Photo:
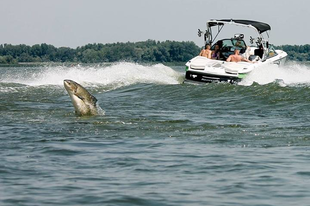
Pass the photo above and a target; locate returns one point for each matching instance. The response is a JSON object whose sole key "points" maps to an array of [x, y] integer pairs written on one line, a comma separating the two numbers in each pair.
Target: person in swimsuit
{"points": [[216, 52], [236, 57], [206, 52]]}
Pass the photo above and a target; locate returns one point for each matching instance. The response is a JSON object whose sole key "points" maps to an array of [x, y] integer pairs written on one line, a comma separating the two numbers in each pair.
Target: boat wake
{"points": [[115, 75], [291, 74]]}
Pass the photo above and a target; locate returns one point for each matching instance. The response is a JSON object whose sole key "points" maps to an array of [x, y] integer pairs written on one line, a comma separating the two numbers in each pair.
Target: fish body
{"points": [[83, 102]]}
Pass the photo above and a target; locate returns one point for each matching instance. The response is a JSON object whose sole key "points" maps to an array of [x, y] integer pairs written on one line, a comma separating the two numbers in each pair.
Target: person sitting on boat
{"points": [[206, 52], [236, 57], [216, 53]]}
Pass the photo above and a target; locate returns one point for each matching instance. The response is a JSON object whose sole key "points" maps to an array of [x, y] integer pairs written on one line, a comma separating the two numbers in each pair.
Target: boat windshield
{"points": [[238, 43], [227, 43], [231, 43], [271, 52]]}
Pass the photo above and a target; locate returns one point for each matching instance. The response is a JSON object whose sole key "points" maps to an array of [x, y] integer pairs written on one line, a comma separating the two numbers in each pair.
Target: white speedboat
{"points": [[257, 49]]}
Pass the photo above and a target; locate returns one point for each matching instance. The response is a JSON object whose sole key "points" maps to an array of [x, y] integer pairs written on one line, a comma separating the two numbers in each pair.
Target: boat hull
{"points": [[208, 78], [201, 69]]}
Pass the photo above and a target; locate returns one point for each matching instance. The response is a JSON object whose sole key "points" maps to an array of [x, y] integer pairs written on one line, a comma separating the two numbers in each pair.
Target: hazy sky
{"points": [[78, 22]]}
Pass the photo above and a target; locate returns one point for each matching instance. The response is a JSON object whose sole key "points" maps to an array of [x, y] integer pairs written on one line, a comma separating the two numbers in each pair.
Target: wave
{"points": [[124, 74], [119, 74], [290, 74]]}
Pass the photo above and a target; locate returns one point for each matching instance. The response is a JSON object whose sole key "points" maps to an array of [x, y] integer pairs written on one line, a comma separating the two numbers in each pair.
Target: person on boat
{"points": [[236, 57], [238, 44], [206, 52], [216, 53]]}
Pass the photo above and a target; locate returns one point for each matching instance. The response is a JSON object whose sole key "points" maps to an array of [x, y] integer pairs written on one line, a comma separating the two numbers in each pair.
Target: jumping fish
{"points": [[83, 102]]}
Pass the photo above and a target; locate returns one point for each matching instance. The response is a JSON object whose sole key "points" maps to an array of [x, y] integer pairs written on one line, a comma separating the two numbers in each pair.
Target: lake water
{"points": [[160, 142]]}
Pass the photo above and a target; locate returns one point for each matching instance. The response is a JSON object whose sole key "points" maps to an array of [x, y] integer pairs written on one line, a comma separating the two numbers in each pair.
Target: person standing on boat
{"points": [[206, 52], [236, 57]]}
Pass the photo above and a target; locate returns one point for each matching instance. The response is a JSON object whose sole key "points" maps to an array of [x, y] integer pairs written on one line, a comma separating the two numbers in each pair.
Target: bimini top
{"points": [[260, 26]]}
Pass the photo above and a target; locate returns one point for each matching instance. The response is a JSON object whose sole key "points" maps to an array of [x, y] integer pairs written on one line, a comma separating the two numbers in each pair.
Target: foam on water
{"points": [[119, 74], [125, 74], [290, 74]]}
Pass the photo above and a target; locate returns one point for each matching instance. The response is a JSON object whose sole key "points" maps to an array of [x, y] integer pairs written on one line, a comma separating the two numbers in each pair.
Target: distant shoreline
{"points": [[150, 51], [72, 64], [145, 51]]}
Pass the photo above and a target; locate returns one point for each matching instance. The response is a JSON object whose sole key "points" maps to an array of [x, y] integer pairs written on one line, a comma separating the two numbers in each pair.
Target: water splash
{"points": [[119, 74], [100, 111], [291, 74]]}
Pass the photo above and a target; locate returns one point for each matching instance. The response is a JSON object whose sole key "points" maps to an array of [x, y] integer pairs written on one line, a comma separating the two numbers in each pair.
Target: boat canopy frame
{"points": [[259, 27]]}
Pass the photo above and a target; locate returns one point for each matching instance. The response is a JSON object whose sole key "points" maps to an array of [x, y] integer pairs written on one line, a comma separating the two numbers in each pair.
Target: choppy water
{"points": [[160, 142]]}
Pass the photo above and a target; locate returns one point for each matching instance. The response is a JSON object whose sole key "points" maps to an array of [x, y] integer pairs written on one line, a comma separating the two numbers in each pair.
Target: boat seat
{"points": [[225, 55], [242, 50], [254, 58]]}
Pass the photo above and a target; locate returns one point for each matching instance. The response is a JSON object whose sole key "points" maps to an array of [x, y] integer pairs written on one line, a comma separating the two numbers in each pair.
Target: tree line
{"points": [[145, 51], [296, 52]]}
